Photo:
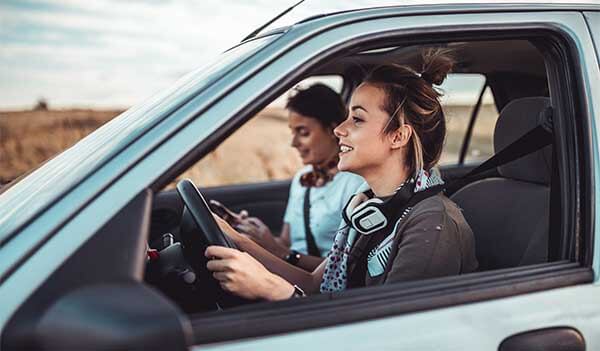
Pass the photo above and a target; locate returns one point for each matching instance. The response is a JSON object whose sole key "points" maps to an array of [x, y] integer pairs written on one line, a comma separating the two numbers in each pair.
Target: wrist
{"points": [[278, 289]]}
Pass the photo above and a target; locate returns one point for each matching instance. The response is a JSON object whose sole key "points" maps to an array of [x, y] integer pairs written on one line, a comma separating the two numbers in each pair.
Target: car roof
{"points": [[310, 9], [483, 57]]}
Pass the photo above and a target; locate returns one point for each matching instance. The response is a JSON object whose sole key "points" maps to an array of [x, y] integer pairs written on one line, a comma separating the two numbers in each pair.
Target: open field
{"points": [[259, 151]]}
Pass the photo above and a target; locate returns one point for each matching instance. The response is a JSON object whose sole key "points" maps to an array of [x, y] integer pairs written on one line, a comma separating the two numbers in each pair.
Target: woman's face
{"points": [[315, 143], [363, 146]]}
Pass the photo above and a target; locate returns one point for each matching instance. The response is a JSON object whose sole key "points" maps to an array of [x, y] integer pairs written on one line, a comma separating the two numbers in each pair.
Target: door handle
{"points": [[549, 339]]}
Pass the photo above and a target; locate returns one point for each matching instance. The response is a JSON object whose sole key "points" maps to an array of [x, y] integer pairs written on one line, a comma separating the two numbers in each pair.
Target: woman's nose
{"points": [[340, 130], [295, 141]]}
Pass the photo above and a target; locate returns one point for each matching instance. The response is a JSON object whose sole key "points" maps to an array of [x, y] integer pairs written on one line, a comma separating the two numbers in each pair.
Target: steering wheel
{"points": [[209, 234], [200, 212]]}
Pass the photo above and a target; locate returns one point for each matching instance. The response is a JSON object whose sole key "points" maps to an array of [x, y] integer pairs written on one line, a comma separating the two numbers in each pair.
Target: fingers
{"points": [[221, 276], [245, 229], [220, 252], [219, 266], [243, 214], [224, 280], [255, 222]]}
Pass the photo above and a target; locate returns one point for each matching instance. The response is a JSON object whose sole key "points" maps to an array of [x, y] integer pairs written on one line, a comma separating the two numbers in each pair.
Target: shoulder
{"points": [[437, 210], [299, 173]]}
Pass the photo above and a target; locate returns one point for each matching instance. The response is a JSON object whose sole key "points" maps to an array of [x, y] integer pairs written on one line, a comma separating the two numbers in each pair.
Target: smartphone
{"points": [[228, 215]]}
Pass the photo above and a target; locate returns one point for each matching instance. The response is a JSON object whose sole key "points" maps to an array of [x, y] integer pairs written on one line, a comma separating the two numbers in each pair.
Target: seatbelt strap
{"points": [[311, 245], [535, 139]]}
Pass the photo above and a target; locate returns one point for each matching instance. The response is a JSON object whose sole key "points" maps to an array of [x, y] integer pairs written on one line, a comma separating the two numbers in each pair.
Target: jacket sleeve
{"points": [[428, 248]]}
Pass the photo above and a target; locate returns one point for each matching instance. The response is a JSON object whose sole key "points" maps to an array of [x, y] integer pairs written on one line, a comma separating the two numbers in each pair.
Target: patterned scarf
{"points": [[335, 275], [320, 174]]}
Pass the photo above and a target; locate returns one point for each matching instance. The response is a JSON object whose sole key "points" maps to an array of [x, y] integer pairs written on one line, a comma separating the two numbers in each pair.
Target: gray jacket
{"points": [[434, 240]]}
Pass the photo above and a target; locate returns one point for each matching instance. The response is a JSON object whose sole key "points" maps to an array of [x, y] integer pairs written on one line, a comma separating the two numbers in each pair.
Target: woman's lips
{"points": [[345, 148]]}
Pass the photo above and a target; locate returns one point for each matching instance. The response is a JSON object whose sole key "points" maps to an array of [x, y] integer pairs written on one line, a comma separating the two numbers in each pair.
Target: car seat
{"points": [[509, 215]]}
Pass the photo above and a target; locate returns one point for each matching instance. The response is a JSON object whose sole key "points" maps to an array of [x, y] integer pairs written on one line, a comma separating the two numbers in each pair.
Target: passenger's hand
{"points": [[242, 275], [261, 234]]}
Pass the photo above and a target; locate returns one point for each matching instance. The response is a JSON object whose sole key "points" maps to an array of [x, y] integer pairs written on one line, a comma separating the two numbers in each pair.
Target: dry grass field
{"points": [[259, 151]]}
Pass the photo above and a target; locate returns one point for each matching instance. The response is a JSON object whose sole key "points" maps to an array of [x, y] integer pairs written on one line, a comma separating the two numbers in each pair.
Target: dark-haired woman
{"points": [[392, 137], [313, 114]]}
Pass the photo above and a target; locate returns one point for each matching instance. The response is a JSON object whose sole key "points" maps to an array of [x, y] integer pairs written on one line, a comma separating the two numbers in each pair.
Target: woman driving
{"points": [[400, 227]]}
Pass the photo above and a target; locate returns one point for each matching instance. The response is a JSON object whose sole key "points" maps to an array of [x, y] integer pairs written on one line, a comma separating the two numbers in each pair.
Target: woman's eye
{"points": [[356, 119]]}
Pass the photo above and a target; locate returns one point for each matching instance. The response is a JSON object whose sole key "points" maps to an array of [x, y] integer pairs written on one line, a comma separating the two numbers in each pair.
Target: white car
{"points": [[74, 271]]}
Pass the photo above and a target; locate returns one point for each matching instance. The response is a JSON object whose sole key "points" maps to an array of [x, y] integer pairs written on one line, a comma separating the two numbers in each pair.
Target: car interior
{"points": [[521, 213], [510, 231]]}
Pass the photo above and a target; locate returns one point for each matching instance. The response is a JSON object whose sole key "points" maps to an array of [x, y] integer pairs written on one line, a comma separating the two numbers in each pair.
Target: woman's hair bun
{"points": [[437, 63]]}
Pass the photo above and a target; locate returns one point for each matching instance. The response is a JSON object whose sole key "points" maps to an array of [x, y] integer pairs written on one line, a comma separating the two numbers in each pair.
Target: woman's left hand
{"points": [[242, 275]]}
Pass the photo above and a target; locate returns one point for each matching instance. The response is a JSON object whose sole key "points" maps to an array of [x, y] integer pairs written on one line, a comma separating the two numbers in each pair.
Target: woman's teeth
{"points": [[345, 148]]}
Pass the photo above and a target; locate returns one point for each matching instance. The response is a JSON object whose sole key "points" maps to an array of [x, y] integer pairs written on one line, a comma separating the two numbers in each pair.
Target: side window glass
{"points": [[461, 92], [260, 150], [481, 145]]}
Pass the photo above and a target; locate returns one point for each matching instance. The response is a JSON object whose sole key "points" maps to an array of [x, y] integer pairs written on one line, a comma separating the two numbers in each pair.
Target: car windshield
{"points": [[314, 8], [38, 187]]}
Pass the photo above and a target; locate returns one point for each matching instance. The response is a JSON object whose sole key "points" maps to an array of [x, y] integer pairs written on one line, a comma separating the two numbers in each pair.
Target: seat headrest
{"points": [[517, 118]]}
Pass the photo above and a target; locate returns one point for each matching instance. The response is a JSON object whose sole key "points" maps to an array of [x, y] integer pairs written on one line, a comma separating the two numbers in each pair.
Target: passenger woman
{"points": [[392, 137]]}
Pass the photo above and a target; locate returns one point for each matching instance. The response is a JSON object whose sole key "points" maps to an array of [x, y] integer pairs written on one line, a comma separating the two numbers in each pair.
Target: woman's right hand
{"points": [[242, 275]]}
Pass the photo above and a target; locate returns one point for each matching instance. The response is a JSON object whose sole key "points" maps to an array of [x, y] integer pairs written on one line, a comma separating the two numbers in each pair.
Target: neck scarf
{"points": [[335, 275], [320, 174]]}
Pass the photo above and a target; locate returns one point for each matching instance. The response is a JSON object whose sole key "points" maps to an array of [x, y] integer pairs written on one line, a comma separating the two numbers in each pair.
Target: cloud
{"points": [[107, 53]]}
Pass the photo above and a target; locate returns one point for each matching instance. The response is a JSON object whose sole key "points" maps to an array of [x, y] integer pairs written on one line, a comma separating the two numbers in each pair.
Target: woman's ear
{"points": [[401, 136]]}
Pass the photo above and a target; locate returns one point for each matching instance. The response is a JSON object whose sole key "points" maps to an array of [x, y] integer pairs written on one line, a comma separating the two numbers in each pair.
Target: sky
{"points": [[112, 53]]}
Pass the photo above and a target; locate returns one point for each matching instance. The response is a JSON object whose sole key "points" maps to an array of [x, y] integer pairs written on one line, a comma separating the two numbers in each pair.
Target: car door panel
{"points": [[475, 326]]}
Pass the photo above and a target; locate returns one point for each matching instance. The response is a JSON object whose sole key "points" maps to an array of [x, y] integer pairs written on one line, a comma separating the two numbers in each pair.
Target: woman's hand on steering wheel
{"points": [[242, 275]]}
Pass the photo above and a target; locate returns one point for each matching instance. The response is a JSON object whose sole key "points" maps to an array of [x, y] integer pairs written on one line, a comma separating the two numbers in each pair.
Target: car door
{"points": [[550, 306]]}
